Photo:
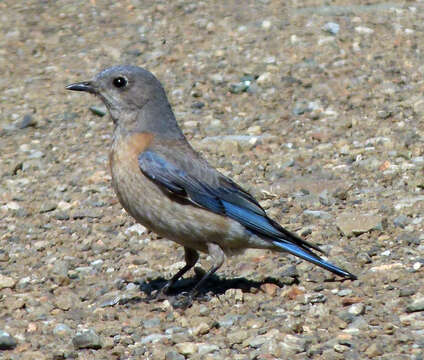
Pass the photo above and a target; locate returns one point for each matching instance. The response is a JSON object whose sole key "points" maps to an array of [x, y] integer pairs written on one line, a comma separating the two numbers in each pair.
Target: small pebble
{"points": [[62, 330], [237, 337], [186, 348], [416, 305], [207, 349], [264, 79], [151, 323], [197, 105], [269, 288], [344, 292], [47, 207], [86, 339], [294, 344], [356, 309], [266, 24], [332, 28], [401, 221], [6, 282], [364, 258], [417, 266], [27, 121], [153, 338], [340, 348], [319, 214], [62, 216], [201, 329], [364, 30], [7, 341], [406, 291], [357, 223], [373, 351], [173, 355], [228, 320], [217, 79]]}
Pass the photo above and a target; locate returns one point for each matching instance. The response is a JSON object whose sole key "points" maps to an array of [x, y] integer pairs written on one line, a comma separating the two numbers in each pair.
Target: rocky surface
{"points": [[315, 109]]}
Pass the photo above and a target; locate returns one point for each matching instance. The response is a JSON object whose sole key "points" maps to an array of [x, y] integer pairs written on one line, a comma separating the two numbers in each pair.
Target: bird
{"points": [[168, 187]]}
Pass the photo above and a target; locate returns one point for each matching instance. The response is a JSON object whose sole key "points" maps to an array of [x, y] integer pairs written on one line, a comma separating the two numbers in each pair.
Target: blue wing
{"points": [[207, 188]]}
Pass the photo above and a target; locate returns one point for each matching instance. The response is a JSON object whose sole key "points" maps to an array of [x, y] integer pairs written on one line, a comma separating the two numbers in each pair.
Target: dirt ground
{"points": [[314, 107]]}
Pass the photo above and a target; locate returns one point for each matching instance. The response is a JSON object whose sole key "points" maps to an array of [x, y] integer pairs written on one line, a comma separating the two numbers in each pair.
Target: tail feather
{"points": [[311, 257], [294, 237], [266, 228]]}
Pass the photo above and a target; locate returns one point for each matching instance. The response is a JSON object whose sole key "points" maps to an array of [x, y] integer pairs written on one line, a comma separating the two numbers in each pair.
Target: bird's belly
{"points": [[185, 224]]}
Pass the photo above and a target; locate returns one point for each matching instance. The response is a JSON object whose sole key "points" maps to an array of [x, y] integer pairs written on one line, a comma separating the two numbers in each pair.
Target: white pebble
{"points": [[266, 24], [364, 30], [137, 228], [416, 266]]}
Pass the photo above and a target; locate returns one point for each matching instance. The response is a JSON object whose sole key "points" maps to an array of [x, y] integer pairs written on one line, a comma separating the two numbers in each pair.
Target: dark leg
{"points": [[218, 257], [191, 257]]}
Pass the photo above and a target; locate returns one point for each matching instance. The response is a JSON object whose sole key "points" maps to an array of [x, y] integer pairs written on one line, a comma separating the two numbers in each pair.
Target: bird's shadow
{"points": [[214, 285]]}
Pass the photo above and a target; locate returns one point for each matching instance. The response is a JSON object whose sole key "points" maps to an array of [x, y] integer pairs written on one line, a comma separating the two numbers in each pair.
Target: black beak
{"points": [[86, 86]]}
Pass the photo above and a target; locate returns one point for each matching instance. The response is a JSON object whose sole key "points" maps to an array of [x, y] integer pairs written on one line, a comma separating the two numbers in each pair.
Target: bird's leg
{"points": [[191, 257], [218, 257]]}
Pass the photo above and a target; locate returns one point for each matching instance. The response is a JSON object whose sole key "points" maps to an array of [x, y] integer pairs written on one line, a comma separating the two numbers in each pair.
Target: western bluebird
{"points": [[169, 188]]}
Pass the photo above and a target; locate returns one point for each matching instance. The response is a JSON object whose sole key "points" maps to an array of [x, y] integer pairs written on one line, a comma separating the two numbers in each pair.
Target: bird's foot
{"points": [[184, 300], [160, 294]]}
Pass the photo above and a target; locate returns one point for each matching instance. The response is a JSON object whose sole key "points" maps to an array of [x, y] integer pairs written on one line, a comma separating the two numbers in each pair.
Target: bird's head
{"points": [[123, 89]]}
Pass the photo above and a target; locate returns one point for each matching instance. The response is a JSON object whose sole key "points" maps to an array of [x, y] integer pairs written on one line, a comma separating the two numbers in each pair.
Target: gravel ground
{"points": [[315, 109]]}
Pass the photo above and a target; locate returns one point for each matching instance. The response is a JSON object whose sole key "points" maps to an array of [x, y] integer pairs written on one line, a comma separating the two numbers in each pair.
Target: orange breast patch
{"points": [[128, 148]]}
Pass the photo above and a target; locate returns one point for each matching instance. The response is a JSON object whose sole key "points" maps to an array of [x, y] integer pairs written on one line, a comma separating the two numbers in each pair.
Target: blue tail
{"points": [[268, 229], [310, 256]]}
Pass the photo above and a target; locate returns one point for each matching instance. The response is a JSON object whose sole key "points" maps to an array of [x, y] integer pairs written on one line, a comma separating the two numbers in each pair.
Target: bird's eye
{"points": [[120, 82]]}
